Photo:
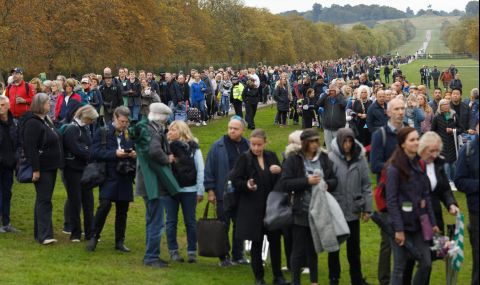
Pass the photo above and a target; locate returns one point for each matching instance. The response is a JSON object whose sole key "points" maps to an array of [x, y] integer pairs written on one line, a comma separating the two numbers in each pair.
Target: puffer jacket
{"points": [[354, 195]]}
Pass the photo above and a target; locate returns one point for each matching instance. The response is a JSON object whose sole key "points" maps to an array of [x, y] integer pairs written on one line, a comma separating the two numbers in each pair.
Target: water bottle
{"points": [[230, 188]]}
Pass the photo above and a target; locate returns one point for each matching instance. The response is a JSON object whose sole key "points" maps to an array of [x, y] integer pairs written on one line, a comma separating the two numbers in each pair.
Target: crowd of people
{"points": [[136, 129]]}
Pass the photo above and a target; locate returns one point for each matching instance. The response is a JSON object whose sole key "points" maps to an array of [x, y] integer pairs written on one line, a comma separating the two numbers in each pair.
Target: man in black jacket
{"points": [[333, 114], [462, 110], [180, 98], [435, 76], [111, 95], [8, 148]]}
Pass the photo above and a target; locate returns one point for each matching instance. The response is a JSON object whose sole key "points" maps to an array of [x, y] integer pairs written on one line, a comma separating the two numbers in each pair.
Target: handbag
{"points": [[95, 172], [24, 172], [212, 236], [279, 211], [193, 114]]}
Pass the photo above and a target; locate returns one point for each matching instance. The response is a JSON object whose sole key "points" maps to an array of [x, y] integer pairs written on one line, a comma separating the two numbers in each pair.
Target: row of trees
{"points": [[462, 36], [73, 36]]}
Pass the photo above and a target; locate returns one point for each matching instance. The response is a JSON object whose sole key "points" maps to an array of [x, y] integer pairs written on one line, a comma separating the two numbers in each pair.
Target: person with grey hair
{"points": [[8, 148], [445, 124], [42, 147], [76, 144], [334, 113], [119, 157]]}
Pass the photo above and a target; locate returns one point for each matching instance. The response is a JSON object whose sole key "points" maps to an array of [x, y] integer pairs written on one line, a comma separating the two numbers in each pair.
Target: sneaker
{"points": [[204, 123], [285, 268], [67, 232], [157, 264], [49, 241], [10, 229], [306, 271], [225, 263], [198, 124], [175, 256], [75, 240], [2, 230], [192, 258], [452, 186], [242, 261]]}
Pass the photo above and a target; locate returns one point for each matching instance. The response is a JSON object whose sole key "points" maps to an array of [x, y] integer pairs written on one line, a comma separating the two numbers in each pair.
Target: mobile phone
{"points": [[127, 150]]}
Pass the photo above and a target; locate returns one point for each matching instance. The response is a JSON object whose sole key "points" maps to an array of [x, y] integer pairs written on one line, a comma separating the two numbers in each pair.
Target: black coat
{"points": [[116, 187], [334, 111], [111, 96], [439, 125], [42, 143], [8, 142], [133, 98], [463, 114], [294, 179], [280, 95], [250, 95], [252, 204], [76, 145]]}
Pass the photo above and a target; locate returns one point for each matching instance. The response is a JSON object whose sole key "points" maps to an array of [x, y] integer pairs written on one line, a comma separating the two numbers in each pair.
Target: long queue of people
{"points": [[403, 129]]}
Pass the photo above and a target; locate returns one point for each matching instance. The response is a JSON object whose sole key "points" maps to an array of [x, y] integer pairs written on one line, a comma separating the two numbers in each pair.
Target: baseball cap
{"points": [[85, 80], [17, 70]]}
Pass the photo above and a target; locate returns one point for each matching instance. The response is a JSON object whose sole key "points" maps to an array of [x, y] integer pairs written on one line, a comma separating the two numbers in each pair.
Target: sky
{"points": [[277, 6]]}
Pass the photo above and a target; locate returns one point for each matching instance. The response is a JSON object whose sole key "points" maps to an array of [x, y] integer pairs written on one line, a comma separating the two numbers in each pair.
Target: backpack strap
{"points": [[103, 133], [384, 136]]}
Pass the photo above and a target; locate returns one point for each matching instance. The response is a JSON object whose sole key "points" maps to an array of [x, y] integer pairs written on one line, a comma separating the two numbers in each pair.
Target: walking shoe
{"points": [[66, 231], [280, 281], [121, 247], [2, 230], [198, 124], [10, 229], [204, 123], [157, 264], [175, 256], [92, 244], [306, 271], [452, 186], [49, 241], [242, 261], [225, 263], [192, 258], [75, 240], [260, 282]]}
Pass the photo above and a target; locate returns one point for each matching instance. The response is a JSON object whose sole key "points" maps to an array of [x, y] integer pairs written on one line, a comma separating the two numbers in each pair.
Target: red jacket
{"points": [[12, 92], [59, 103]]}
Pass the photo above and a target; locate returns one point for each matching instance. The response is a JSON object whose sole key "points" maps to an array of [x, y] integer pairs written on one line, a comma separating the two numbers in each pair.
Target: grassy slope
{"points": [[25, 262]]}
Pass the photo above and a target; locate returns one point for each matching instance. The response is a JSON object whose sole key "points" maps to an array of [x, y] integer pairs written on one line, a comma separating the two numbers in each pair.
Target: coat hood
{"points": [[342, 135]]}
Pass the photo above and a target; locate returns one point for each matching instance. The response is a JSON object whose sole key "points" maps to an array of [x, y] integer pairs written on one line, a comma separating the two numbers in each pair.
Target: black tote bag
{"points": [[279, 211], [212, 236]]}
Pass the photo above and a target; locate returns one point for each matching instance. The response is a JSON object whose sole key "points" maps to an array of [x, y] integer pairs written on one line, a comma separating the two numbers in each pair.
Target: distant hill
{"points": [[365, 14]]}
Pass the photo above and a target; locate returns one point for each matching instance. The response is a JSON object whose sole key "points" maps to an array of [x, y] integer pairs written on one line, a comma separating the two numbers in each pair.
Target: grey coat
{"points": [[353, 192]]}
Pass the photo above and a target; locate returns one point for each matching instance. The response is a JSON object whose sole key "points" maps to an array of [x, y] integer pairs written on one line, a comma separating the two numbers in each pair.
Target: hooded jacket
{"points": [[353, 194]]}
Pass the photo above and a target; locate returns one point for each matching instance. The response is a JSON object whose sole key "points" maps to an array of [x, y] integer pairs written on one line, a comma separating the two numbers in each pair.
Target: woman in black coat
{"points": [[250, 97], [280, 95], [119, 158], [76, 143], [42, 145], [303, 170], [253, 177], [444, 122]]}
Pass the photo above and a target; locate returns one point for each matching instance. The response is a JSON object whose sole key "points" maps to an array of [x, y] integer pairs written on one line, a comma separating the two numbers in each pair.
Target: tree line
{"points": [[462, 36], [73, 36]]}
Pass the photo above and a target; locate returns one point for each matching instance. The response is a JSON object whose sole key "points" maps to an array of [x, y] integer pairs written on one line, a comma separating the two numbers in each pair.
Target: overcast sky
{"points": [[277, 6]]}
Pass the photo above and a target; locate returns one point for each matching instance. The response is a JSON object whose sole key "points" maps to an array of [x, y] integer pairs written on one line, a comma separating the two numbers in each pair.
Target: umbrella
{"points": [[387, 228], [455, 255]]}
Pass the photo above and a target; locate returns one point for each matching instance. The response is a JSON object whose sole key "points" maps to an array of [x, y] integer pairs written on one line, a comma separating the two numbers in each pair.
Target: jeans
{"points": [[43, 225], [179, 112], [188, 201], [78, 198], [473, 231], [329, 135], [225, 104], [302, 249], [134, 112], [353, 255], [384, 257], [401, 256], [6, 182], [282, 118], [200, 105], [450, 170], [154, 226], [237, 244], [103, 209]]}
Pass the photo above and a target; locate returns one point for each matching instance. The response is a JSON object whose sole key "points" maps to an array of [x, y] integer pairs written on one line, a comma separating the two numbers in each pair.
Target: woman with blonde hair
{"points": [[37, 85], [426, 124], [188, 168]]}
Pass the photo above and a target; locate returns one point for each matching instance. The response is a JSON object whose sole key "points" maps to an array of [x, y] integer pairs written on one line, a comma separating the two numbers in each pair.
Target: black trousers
{"points": [[307, 117], [120, 218], [302, 248], [287, 244], [78, 198], [282, 117], [250, 111], [237, 106], [353, 256], [237, 244], [43, 226], [275, 255], [435, 83]]}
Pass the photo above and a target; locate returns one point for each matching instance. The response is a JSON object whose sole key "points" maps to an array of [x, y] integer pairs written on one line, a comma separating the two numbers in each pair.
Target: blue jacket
{"points": [[381, 152], [417, 117], [376, 117], [414, 190], [466, 176], [217, 168], [116, 187], [196, 93]]}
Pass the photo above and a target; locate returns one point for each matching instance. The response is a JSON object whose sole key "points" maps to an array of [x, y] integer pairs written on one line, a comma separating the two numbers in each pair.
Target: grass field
{"points": [[25, 262]]}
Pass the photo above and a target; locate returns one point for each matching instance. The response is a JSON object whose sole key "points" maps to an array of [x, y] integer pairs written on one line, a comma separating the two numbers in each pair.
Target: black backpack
{"points": [[184, 168]]}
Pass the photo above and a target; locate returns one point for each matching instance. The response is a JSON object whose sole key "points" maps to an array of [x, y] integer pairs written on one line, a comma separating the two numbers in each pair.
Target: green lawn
{"points": [[25, 262]]}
